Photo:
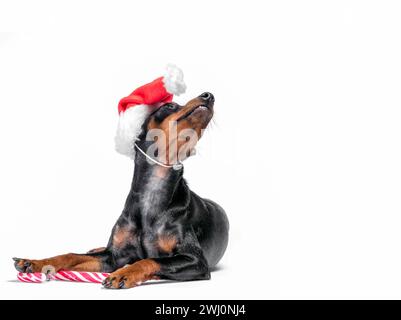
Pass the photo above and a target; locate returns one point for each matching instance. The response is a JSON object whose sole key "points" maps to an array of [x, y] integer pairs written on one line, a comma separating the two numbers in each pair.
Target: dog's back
{"points": [[211, 227]]}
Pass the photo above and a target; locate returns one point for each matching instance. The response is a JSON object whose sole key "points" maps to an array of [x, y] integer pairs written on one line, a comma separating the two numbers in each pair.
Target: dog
{"points": [[165, 231]]}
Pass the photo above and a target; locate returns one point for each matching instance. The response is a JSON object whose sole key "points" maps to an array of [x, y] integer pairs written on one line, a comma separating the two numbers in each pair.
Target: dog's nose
{"points": [[207, 96]]}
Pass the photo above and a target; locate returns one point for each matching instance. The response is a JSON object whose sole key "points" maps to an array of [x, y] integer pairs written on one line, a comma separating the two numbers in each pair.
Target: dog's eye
{"points": [[170, 106]]}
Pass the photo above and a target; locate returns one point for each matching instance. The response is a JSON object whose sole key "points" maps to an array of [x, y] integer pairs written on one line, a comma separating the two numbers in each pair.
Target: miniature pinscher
{"points": [[165, 231]]}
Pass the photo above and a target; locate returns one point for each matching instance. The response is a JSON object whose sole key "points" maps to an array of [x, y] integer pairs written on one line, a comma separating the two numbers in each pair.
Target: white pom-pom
{"points": [[174, 80]]}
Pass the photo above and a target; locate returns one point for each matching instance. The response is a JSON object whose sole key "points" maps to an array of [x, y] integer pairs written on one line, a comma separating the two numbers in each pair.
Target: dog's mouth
{"points": [[201, 108]]}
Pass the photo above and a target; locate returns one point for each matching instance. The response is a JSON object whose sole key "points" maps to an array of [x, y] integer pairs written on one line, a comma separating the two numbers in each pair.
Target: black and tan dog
{"points": [[165, 231]]}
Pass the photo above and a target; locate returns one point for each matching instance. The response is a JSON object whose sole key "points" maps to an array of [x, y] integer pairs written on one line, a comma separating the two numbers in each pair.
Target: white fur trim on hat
{"points": [[129, 127], [174, 80]]}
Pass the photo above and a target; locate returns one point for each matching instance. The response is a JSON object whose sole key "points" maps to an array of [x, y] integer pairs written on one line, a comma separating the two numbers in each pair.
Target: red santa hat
{"points": [[135, 108]]}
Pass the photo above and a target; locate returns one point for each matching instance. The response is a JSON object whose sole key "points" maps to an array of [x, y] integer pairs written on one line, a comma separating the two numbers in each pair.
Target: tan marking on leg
{"points": [[91, 266], [66, 261], [133, 274]]}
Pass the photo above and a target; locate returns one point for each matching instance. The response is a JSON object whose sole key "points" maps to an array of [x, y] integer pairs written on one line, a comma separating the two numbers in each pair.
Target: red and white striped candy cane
{"points": [[36, 277], [64, 275], [79, 276]]}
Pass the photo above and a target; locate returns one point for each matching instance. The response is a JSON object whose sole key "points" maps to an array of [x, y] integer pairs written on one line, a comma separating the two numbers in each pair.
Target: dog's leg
{"points": [[92, 262], [97, 250], [181, 267]]}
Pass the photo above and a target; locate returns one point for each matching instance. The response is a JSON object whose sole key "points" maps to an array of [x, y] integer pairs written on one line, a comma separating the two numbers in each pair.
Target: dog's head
{"points": [[171, 132]]}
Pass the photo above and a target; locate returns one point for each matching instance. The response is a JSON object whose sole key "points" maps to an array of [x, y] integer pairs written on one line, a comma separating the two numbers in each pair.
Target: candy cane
{"points": [[64, 275], [36, 277], [95, 277]]}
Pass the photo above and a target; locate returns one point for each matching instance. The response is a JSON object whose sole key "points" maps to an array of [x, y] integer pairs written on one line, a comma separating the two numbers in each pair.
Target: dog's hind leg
{"points": [[97, 250], [92, 262]]}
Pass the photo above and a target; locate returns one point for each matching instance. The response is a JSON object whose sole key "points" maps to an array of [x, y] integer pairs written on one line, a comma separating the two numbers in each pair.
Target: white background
{"points": [[304, 154]]}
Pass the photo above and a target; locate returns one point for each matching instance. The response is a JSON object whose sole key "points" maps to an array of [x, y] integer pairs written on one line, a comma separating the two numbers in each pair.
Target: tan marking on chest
{"points": [[123, 236], [167, 243]]}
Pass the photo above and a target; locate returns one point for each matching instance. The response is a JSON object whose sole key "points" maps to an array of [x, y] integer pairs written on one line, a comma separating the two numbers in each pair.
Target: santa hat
{"points": [[135, 108]]}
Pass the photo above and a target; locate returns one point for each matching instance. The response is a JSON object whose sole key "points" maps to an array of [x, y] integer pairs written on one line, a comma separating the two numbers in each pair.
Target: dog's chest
{"points": [[153, 196], [154, 236], [158, 242]]}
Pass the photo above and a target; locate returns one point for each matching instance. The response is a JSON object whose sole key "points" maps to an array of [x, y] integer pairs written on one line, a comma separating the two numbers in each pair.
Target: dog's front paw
{"points": [[132, 275], [114, 282], [25, 265], [123, 279]]}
